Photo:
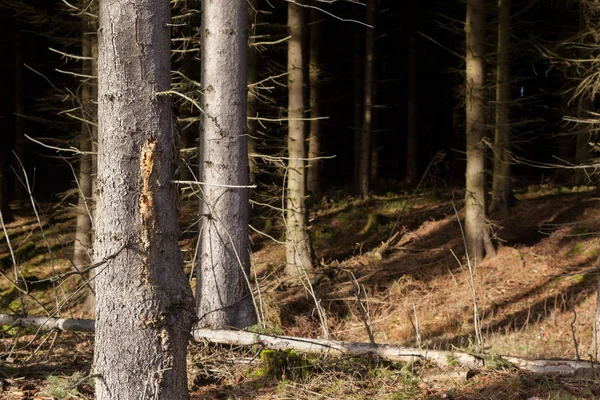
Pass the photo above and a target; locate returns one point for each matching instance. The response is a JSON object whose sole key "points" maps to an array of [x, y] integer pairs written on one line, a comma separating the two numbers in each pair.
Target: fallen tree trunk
{"points": [[332, 347]]}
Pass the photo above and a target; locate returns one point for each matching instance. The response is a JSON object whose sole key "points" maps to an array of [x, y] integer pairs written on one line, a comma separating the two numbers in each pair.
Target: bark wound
{"points": [[146, 207]]}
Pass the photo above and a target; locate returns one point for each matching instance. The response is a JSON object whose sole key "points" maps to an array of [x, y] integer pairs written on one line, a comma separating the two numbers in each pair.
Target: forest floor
{"points": [[536, 299]]}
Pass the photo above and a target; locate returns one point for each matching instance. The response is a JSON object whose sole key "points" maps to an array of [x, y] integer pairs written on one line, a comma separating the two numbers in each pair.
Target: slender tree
{"points": [[298, 245], [357, 83], [365, 142], [501, 186], [82, 249], [477, 236], [314, 139], [222, 292], [19, 111], [412, 166], [145, 307]]}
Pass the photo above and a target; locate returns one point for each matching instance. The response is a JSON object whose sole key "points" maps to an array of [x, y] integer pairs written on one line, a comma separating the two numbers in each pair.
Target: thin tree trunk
{"points": [[20, 191], [358, 51], [501, 186], [252, 99], [145, 307], [314, 139], [82, 249], [365, 142], [298, 245], [585, 105], [222, 294], [412, 167], [477, 236]]}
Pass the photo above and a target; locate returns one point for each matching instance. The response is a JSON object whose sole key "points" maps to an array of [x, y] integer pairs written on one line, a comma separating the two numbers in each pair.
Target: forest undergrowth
{"points": [[536, 299]]}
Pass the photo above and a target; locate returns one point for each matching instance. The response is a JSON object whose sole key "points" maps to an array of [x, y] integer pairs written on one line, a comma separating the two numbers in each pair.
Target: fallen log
{"points": [[333, 347]]}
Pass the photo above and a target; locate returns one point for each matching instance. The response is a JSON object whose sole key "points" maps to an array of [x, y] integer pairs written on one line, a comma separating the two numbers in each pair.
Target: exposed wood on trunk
{"points": [[144, 307], [334, 347]]}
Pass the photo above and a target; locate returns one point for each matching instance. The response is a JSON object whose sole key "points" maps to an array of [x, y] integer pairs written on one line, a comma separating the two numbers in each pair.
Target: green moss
{"points": [[64, 387], [373, 224], [282, 365], [576, 249]]}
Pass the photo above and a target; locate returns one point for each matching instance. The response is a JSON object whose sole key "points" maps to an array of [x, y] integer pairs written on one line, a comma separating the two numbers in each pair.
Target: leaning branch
{"points": [[330, 347]]}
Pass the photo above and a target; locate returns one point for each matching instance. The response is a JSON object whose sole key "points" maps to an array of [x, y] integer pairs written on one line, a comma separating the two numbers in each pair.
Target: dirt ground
{"points": [[536, 299]]}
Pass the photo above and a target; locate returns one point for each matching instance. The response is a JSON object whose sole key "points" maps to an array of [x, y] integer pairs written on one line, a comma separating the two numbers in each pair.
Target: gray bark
{"points": [[477, 236], [365, 141], [501, 185], [222, 293], [298, 245], [144, 308], [314, 139]]}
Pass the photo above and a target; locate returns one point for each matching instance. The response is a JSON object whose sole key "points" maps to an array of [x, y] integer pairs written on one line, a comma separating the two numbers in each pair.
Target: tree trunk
{"points": [[501, 185], [314, 139], [477, 236], [584, 106], [365, 142], [222, 293], [298, 245], [252, 99], [412, 167], [82, 251], [357, 77], [20, 190], [144, 308]]}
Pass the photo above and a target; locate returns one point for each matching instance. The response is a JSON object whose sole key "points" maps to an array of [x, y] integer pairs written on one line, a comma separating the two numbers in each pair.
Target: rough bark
{"points": [[298, 245], [365, 141], [477, 236], [314, 139], [222, 294], [501, 184], [334, 347], [145, 307], [412, 167], [82, 249]]}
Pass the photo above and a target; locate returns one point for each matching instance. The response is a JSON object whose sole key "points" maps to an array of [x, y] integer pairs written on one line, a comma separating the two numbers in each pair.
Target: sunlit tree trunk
{"points": [[412, 167], [82, 251], [501, 185], [222, 292], [477, 236], [144, 307], [298, 245], [583, 152], [365, 142], [314, 139]]}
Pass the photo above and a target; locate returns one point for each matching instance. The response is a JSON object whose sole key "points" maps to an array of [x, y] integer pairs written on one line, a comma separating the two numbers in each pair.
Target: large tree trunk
{"points": [[223, 296], [477, 236], [82, 251], [144, 308], [501, 186], [314, 139], [365, 142], [412, 167], [298, 245]]}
